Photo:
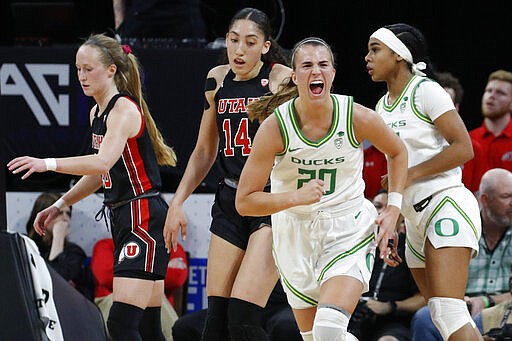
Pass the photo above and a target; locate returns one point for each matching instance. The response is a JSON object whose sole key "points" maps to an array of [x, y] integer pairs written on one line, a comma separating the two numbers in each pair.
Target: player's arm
{"points": [[370, 126], [458, 151], [251, 200], [123, 122]]}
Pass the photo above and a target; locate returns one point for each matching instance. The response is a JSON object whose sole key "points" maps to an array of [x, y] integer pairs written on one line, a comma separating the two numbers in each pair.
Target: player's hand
{"points": [[387, 238], [379, 308], [475, 303], [175, 221], [30, 164], [44, 218], [310, 193]]}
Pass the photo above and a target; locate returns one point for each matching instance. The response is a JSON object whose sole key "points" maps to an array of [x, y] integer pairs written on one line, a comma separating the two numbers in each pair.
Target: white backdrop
{"points": [[85, 231]]}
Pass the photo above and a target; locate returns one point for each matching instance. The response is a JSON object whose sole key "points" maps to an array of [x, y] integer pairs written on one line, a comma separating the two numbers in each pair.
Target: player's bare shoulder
{"points": [[126, 113], [363, 115], [278, 75], [216, 76]]}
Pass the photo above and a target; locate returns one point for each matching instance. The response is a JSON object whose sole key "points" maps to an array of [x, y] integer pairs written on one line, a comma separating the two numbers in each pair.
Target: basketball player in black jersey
{"points": [[241, 272], [127, 151]]}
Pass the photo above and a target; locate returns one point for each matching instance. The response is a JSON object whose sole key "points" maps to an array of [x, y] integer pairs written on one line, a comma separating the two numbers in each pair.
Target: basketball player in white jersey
{"points": [[441, 215], [323, 227]]}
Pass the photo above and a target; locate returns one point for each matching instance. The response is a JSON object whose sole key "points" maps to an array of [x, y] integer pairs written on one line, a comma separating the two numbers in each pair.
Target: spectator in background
{"points": [[102, 265], [495, 317], [495, 133], [489, 272], [473, 169], [384, 313], [178, 19], [374, 167], [67, 258]]}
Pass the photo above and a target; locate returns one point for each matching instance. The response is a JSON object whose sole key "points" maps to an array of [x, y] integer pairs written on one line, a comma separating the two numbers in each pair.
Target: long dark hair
{"points": [[43, 201], [415, 41], [276, 54]]}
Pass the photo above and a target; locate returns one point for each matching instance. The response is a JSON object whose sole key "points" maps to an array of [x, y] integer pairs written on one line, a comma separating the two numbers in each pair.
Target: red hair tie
{"points": [[127, 49]]}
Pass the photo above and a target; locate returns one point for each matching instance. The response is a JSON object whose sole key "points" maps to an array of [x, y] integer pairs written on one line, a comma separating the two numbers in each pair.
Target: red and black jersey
{"points": [[136, 172], [236, 131]]}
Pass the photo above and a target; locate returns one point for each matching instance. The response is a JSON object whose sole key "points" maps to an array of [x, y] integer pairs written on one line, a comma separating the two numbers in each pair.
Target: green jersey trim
{"points": [[415, 109], [284, 132], [330, 133], [392, 107], [448, 200], [350, 127], [353, 250]]}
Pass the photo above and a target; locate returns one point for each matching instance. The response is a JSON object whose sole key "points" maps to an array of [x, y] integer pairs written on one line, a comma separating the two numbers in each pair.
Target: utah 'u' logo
{"points": [[131, 250]]}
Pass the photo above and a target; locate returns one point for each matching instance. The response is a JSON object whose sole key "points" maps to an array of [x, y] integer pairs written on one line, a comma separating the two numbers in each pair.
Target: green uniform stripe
{"points": [[415, 109], [334, 124], [445, 201], [284, 132], [353, 250], [414, 252], [350, 128], [296, 292], [399, 99]]}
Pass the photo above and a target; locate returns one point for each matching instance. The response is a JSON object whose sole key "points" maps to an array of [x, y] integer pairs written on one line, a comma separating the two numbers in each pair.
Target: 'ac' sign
{"points": [[13, 83]]}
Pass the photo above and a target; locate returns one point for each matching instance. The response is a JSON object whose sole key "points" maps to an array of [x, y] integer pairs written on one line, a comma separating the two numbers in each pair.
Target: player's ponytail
{"points": [[128, 80]]}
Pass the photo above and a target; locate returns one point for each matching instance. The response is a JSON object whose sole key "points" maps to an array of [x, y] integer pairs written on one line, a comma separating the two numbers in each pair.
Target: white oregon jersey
{"points": [[412, 121], [336, 158]]}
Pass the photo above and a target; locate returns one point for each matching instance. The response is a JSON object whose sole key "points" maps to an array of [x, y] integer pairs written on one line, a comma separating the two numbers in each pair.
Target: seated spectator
{"points": [[278, 321], [489, 271], [65, 257], [385, 311], [102, 265], [494, 319]]}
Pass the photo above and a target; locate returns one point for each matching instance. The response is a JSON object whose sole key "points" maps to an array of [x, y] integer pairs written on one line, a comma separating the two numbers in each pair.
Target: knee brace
{"points": [[244, 321], [449, 315], [123, 321], [216, 324], [150, 326], [330, 323]]}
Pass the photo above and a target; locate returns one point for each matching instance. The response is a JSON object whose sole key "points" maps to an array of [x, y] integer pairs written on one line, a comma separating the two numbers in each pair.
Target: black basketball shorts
{"points": [[137, 230], [228, 224]]}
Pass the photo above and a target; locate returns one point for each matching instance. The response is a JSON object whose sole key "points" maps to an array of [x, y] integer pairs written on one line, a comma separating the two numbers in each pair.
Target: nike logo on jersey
{"points": [[291, 150]]}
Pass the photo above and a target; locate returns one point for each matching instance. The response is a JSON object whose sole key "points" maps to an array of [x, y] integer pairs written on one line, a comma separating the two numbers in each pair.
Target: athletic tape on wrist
{"points": [[51, 164], [60, 204], [395, 199]]}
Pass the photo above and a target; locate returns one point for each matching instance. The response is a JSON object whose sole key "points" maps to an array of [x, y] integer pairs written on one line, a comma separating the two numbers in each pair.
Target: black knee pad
{"points": [[244, 321], [150, 326], [216, 324], [123, 322]]}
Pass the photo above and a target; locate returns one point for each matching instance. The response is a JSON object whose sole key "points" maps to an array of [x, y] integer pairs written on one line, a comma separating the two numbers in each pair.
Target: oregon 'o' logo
{"points": [[446, 227], [131, 250]]}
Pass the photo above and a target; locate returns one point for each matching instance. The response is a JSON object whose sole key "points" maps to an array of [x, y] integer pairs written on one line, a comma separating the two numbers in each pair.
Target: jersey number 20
{"points": [[327, 175]]}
